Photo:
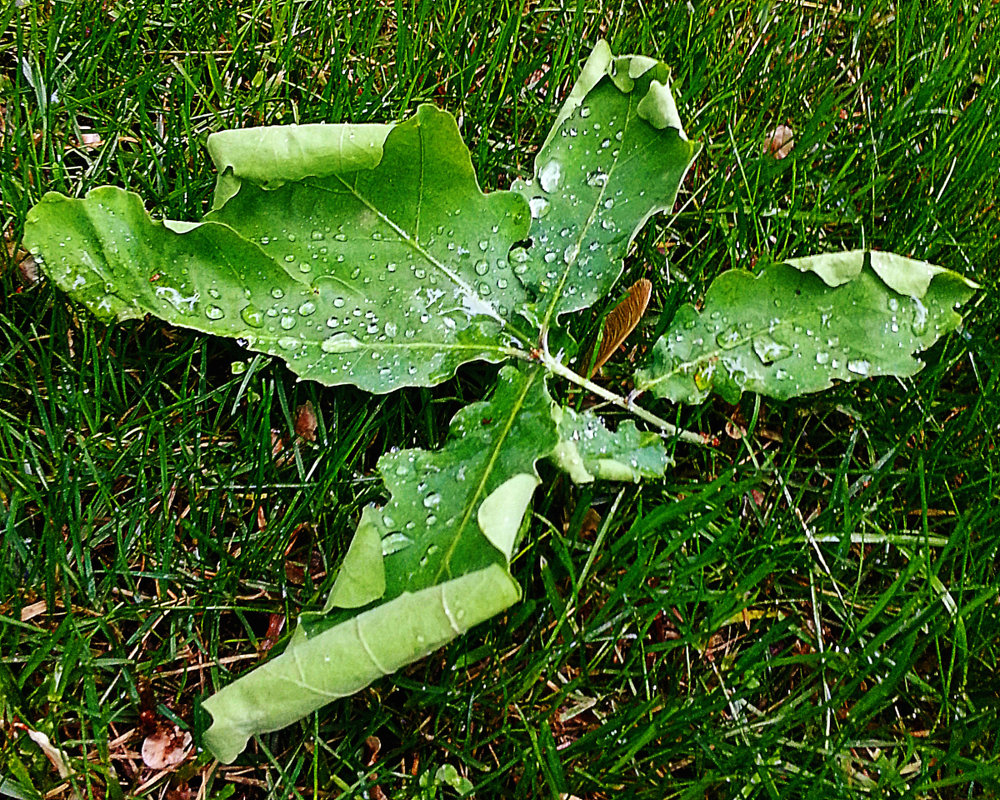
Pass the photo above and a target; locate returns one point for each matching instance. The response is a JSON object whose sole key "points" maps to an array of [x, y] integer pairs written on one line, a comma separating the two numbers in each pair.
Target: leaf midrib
{"points": [[474, 499]]}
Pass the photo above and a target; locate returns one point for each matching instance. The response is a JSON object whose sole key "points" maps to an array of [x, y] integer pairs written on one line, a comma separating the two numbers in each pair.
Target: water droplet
{"points": [[308, 308], [539, 207], [277, 293], [768, 350], [597, 178], [482, 267], [729, 338], [893, 304], [549, 175], [859, 367], [550, 257], [340, 237], [919, 324], [355, 273], [317, 236], [287, 322], [395, 542], [290, 258], [214, 312], [390, 329], [432, 500], [571, 252], [251, 316], [822, 357], [340, 343], [584, 111], [391, 266]]}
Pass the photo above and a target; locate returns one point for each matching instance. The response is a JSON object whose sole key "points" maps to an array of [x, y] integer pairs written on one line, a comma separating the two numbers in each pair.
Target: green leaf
{"points": [[444, 540], [588, 450], [381, 278], [616, 155], [797, 327]]}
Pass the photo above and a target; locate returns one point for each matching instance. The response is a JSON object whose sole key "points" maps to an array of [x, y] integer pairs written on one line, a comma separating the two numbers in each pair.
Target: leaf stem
{"points": [[553, 364]]}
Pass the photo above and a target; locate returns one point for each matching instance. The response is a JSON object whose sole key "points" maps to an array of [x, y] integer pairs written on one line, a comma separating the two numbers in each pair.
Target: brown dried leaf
{"points": [[779, 142], [305, 421], [166, 748], [622, 321]]}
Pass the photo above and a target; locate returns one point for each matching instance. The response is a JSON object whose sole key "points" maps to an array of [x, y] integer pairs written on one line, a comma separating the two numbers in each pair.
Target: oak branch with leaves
{"points": [[367, 255]]}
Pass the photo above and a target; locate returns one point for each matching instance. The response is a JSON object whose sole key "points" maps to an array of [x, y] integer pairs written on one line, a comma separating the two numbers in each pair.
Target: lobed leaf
{"points": [[420, 571], [384, 277], [616, 155], [797, 327]]}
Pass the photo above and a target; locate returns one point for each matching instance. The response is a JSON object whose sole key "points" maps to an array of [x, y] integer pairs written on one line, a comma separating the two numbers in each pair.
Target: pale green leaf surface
{"points": [[361, 579], [381, 278], [273, 155], [443, 540], [786, 332], [588, 450], [344, 659], [615, 157]]}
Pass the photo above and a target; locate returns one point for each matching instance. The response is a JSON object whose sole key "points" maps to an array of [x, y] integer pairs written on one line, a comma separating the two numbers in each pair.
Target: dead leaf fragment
{"points": [[779, 142], [165, 748], [52, 753], [305, 421]]}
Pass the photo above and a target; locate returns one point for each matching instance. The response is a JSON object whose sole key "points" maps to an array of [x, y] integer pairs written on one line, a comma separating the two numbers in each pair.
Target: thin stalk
{"points": [[553, 364]]}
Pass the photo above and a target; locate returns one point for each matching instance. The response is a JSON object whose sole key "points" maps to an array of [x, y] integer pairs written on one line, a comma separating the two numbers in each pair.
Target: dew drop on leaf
{"points": [[482, 267], [251, 316], [214, 312], [277, 293], [340, 343], [549, 175], [539, 206]]}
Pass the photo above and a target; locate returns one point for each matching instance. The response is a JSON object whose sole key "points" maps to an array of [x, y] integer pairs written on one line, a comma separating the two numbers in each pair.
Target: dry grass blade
{"points": [[622, 321]]}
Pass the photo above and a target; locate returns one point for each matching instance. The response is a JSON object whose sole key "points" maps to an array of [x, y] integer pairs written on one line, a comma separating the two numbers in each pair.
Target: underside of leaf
{"points": [[795, 329], [344, 659]]}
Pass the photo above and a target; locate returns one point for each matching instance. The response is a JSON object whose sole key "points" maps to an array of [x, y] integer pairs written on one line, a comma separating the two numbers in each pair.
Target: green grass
{"points": [[808, 610]]}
